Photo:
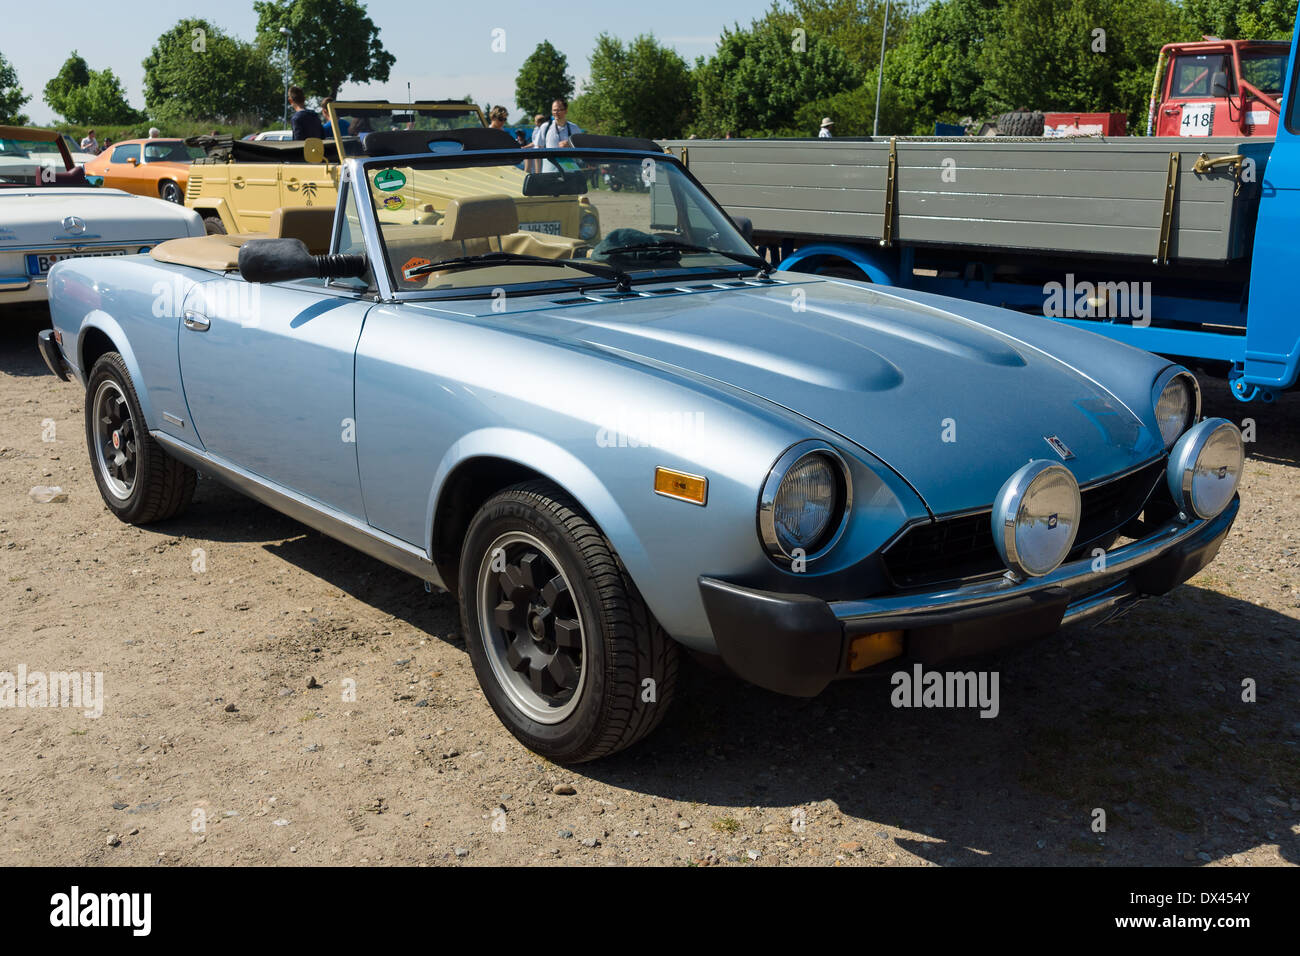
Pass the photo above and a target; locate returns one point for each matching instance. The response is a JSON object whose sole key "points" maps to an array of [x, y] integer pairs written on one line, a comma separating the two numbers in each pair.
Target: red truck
{"points": [[1218, 88]]}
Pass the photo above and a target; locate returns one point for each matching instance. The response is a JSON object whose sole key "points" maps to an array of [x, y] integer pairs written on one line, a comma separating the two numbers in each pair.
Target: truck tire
{"points": [[1020, 123], [565, 649], [137, 479], [213, 225]]}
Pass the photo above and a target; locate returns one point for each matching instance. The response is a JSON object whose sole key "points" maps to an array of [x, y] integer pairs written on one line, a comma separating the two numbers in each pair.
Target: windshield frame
{"points": [[356, 172]]}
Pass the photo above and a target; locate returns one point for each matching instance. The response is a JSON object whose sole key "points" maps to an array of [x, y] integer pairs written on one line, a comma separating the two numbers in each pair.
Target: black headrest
{"points": [[405, 141], [592, 141]]}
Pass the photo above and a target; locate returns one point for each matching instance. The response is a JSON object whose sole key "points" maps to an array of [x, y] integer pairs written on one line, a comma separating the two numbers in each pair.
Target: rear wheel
{"points": [[564, 647], [137, 479], [171, 192], [213, 225]]}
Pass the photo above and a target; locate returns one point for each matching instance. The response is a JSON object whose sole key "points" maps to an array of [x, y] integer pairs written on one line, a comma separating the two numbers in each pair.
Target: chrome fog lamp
{"points": [[805, 501], [1036, 517], [1178, 404], [1205, 468]]}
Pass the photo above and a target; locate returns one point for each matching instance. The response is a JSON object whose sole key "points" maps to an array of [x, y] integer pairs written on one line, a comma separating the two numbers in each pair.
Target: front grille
{"points": [[961, 546]]}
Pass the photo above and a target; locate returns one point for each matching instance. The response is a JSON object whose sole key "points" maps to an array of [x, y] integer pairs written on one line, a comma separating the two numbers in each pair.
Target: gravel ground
{"points": [[215, 747]]}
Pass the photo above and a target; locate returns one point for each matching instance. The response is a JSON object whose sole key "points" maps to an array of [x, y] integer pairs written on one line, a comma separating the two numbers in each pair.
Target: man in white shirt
{"points": [[90, 144], [825, 131], [557, 131]]}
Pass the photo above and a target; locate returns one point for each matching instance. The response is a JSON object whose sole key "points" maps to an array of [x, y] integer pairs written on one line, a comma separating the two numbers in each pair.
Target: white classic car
{"points": [[55, 214]]}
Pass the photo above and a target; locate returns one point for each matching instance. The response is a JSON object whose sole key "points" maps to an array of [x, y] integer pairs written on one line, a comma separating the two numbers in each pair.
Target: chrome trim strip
{"points": [[1075, 574], [169, 417], [323, 518]]}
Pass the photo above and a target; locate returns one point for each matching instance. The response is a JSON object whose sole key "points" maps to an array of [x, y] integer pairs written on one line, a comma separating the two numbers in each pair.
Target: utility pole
{"points": [[284, 32], [880, 75]]}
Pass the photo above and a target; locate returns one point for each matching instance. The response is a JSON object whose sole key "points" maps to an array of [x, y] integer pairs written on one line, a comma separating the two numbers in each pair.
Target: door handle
{"points": [[292, 185], [238, 182], [196, 321]]}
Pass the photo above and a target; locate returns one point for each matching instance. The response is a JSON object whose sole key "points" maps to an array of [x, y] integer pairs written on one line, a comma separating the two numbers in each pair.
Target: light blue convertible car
{"points": [[616, 446]]}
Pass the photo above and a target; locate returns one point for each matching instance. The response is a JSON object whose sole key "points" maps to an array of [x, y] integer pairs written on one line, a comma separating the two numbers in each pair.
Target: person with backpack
{"points": [[557, 131]]}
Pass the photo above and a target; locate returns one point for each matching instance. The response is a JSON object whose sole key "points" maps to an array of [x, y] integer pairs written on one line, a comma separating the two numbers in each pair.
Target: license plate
{"points": [[550, 228], [38, 264]]}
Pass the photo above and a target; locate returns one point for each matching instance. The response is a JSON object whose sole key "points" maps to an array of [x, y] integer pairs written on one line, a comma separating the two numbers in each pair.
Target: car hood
{"points": [[35, 216], [953, 405]]}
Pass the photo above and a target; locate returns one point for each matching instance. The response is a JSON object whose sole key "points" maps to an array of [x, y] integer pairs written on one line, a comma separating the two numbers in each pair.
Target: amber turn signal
{"points": [[873, 648], [680, 485]]}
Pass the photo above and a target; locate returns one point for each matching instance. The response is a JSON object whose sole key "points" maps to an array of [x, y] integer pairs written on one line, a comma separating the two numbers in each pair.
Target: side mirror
{"points": [[746, 227], [313, 150], [279, 260], [133, 161]]}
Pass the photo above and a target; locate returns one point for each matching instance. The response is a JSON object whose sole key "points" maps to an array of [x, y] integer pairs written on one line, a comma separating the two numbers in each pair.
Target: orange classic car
{"points": [[147, 167]]}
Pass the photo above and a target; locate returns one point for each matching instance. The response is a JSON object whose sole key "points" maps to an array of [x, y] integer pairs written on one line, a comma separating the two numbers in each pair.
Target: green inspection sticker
{"points": [[389, 180]]}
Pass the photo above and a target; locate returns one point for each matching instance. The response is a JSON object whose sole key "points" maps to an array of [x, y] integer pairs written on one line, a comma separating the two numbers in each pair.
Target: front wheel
{"points": [[171, 192], [562, 644], [137, 479]]}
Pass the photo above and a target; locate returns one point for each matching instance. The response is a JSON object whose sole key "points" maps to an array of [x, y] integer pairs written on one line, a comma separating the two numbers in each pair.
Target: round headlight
{"points": [[804, 502], [1035, 518], [587, 228], [1176, 406], [1205, 468]]}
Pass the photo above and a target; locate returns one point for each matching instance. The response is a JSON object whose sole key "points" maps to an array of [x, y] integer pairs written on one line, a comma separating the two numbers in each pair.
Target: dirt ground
{"points": [[213, 749]]}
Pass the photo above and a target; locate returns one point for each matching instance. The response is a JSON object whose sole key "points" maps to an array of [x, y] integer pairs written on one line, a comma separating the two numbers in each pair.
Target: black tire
{"points": [[1020, 123], [171, 192], [213, 225], [622, 646], [148, 484]]}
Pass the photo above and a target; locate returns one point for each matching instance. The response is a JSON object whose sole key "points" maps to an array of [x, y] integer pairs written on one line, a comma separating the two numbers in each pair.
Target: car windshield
{"points": [[170, 151], [463, 225], [1264, 71], [15, 149]]}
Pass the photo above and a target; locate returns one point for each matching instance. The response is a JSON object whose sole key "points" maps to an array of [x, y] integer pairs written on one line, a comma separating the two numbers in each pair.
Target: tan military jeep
{"points": [[239, 184]]}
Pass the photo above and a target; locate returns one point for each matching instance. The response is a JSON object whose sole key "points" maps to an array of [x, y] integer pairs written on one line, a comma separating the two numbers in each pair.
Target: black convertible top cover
{"points": [[405, 141], [593, 141]]}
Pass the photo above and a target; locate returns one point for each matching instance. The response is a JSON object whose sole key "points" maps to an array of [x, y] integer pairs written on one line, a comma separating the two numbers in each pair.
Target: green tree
{"points": [[331, 42], [195, 71], [12, 96], [853, 26], [1241, 19], [643, 89], [1049, 55], [935, 72], [759, 77], [74, 75], [102, 100], [854, 111], [543, 77]]}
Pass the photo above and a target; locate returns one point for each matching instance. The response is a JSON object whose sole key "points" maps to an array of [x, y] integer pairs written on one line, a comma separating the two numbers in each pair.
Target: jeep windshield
{"points": [[469, 223]]}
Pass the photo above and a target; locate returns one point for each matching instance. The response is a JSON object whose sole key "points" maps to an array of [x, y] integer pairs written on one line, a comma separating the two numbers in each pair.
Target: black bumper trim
{"points": [[49, 350], [797, 644]]}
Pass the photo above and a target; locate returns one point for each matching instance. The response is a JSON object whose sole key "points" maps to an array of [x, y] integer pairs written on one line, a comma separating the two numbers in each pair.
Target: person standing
{"points": [[557, 132], [825, 131], [327, 128], [497, 117], [305, 123], [154, 132], [89, 144]]}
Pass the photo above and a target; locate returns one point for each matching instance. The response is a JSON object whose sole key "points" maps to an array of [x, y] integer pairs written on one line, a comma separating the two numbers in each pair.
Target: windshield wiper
{"points": [[672, 245], [621, 280]]}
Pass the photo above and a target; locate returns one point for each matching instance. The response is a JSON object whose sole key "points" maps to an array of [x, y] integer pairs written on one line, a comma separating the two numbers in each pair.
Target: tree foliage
{"points": [[196, 71], [759, 77], [84, 96], [642, 89], [330, 42], [543, 77], [1242, 19], [12, 97]]}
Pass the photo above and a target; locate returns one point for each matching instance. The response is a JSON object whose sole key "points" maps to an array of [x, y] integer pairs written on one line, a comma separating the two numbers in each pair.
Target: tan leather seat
{"points": [[479, 217], [314, 225]]}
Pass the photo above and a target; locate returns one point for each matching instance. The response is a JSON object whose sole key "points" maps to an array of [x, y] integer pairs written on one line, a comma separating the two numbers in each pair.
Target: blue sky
{"points": [[443, 50]]}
